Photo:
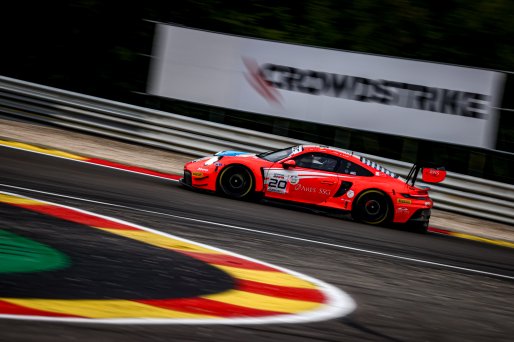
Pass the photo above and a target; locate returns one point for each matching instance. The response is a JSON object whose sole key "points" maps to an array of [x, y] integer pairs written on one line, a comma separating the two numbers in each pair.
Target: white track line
{"points": [[274, 234]]}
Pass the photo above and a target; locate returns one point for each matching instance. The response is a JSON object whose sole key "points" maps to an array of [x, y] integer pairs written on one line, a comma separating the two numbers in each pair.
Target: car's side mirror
{"points": [[432, 175], [289, 163]]}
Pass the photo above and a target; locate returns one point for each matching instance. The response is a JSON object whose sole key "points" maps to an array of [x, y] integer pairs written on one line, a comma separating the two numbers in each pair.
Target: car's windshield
{"points": [[275, 156]]}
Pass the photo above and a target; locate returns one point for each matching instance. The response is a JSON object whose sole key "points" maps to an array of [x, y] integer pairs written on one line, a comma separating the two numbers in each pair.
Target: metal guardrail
{"points": [[459, 193], [137, 124]]}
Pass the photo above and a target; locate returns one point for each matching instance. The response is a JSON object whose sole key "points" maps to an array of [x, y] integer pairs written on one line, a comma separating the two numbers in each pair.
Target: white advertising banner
{"points": [[381, 94]]}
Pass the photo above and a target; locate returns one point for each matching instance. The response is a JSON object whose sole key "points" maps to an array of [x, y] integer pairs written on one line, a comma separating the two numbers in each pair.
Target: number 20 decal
{"points": [[278, 184]]}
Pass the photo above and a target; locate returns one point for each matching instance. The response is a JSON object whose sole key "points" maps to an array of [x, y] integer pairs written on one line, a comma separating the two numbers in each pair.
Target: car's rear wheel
{"points": [[372, 207], [236, 181]]}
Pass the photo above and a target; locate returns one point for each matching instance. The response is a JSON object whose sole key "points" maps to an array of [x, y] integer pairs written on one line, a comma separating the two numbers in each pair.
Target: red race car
{"points": [[322, 176]]}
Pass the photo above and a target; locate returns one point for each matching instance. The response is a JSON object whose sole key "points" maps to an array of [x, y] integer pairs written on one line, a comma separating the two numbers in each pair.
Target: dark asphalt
{"points": [[106, 266], [398, 300]]}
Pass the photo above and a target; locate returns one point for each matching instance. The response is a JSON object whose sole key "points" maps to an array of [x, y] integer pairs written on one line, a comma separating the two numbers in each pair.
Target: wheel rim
{"points": [[236, 182], [372, 208]]}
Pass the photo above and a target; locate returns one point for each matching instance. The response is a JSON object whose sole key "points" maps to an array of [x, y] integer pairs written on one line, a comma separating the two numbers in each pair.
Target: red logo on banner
{"points": [[255, 77]]}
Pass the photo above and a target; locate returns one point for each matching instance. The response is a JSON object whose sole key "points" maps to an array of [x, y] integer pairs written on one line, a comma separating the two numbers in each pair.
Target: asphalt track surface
{"points": [[123, 266], [407, 286]]}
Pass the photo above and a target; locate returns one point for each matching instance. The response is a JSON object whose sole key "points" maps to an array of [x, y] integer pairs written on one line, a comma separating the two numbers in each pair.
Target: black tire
{"points": [[372, 207], [236, 181]]}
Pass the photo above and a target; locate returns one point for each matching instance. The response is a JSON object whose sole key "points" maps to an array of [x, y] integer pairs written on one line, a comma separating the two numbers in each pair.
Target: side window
{"points": [[348, 168], [317, 161]]}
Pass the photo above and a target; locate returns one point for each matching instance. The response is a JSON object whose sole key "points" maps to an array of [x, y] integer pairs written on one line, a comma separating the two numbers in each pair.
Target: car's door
{"points": [[312, 180]]}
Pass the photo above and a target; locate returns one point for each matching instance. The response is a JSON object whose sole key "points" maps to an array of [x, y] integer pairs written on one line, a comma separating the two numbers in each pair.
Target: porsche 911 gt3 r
{"points": [[321, 176]]}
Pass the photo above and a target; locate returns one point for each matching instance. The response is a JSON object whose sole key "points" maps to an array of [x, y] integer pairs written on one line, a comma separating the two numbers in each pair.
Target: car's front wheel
{"points": [[372, 207], [236, 181]]}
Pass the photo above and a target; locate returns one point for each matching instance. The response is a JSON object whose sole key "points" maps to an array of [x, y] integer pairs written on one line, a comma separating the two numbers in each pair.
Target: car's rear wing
{"points": [[429, 173]]}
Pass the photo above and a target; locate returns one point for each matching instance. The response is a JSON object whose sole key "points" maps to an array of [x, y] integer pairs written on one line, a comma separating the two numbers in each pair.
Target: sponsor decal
{"points": [[300, 187], [402, 210], [404, 201], [297, 149], [197, 174], [277, 183], [428, 204], [202, 169], [312, 189], [324, 192], [218, 164], [293, 179], [350, 194]]}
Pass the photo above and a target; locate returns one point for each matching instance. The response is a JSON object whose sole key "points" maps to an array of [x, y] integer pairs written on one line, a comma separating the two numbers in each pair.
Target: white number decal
{"points": [[277, 184]]}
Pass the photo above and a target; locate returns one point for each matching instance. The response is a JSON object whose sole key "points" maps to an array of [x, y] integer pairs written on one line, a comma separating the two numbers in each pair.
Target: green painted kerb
{"points": [[19, 254]]}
